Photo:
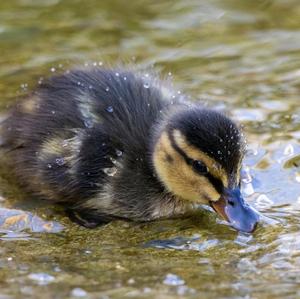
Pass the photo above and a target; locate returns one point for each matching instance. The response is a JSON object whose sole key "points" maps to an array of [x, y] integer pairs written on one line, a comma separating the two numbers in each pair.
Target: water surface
{"points": [[241, 56]]}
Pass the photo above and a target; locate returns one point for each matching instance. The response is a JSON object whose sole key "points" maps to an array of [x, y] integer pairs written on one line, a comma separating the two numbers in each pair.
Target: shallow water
{"points": [[241, 56]]}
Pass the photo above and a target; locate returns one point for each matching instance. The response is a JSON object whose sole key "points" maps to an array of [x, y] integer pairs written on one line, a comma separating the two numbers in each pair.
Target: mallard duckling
{"points": [[117, 145]]}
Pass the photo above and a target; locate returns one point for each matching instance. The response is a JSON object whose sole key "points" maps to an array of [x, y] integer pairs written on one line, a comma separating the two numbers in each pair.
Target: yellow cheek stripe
{"points": [[178, 177], [214, 167]]}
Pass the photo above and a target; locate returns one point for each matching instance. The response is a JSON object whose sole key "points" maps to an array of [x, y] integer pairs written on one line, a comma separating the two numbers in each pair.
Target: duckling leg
{"points": [[86, 218], [91, 218]]}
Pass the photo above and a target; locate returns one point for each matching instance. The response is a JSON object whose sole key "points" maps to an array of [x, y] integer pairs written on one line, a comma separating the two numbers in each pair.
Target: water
{"points": [[241, 56]]}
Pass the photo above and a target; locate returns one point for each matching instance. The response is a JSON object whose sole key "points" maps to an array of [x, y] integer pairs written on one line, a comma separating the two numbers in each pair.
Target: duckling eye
{"points": [[199, 167]]}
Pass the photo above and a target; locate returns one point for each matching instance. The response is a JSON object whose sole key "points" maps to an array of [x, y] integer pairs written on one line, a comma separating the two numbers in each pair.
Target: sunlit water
{"points": [[241, 56]]}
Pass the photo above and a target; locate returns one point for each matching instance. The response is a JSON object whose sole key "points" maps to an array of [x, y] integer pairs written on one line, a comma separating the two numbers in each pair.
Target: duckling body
{"points": [[114, 144]]}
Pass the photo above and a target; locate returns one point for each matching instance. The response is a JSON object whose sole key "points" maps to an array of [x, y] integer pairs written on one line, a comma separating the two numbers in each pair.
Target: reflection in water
{"points": [[240, 57]]}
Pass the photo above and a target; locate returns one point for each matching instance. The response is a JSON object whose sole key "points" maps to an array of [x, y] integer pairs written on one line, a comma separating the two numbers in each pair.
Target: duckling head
{"points": [[197, 156]]}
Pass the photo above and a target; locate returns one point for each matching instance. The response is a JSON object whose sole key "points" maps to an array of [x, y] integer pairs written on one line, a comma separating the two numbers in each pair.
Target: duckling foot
{"points": [[87, 218]]}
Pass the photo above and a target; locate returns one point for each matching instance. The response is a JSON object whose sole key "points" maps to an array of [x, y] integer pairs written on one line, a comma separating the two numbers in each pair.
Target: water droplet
{"points": [[94, 63], [124, 78], [60, 161], [117, 74], [49, 165], [24, 86], [110, 171], [53, 69], [53, 112], [114, 161], [169, 74], [146, 85], [119, 153], [219, 152], [100, 63], [88, 123], [110, 109], [90, 87], [107, 89]]}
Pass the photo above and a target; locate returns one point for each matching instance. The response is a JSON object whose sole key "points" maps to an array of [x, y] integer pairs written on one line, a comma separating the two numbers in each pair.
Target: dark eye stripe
{"points": [[217, 183], [187, 159]]}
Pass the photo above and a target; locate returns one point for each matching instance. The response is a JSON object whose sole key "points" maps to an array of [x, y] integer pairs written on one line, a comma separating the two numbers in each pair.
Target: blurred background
{"points": [[242, 57]]}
